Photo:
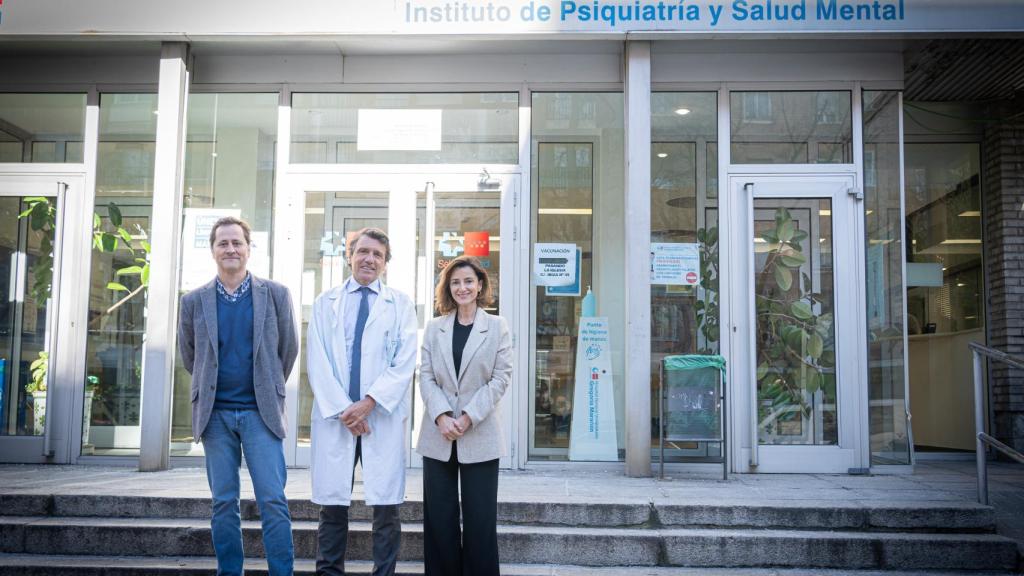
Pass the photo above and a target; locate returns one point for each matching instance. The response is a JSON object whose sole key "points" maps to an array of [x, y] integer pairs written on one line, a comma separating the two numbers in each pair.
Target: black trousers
{"points": [[446, 552], [332, 536]]}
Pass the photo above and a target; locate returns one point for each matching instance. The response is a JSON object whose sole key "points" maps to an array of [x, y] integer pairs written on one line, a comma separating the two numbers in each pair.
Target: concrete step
{"points": [[951, 517], [581, 546], [34, 565]]}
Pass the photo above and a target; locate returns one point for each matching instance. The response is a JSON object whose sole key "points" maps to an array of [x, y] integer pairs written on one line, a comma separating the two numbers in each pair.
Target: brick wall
{"points": [[1003, 193]]}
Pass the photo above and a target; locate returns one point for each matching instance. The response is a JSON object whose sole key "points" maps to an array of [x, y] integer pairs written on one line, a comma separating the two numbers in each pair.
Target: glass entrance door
{"points": [[429, 218], [804, 323], [34, 401]]}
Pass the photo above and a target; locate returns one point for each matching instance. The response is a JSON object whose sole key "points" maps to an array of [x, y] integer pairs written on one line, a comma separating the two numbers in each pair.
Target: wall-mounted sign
{"points": [[477, 243], [554, 265], [271, 18], [383, 129], [450, 244], [675, 264], [569, 289], [197, 265], [593, 435]]}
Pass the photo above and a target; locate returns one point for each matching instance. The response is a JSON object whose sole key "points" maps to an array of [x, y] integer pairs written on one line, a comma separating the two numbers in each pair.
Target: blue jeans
{"points": [[227, 436]]}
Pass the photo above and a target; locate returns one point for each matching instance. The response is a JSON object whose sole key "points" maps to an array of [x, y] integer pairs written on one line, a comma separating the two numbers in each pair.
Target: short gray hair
{"points": [[375, 233]]}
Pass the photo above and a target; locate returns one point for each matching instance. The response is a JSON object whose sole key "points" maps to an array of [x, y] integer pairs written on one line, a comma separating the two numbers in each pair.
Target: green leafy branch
{"points": [[707, 307], [42, 218], [113, 237], [796, 344]]}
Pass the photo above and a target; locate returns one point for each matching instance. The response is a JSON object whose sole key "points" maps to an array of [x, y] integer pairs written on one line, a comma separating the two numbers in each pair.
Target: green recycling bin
{"points": [[692, 403]]}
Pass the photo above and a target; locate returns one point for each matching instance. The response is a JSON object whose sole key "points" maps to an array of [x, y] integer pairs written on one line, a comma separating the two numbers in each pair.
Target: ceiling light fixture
{"points": [[682, 111], [565, 211]]}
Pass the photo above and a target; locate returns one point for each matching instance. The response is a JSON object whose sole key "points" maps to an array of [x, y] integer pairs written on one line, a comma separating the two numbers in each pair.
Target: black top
{"points": [[459, 337]]}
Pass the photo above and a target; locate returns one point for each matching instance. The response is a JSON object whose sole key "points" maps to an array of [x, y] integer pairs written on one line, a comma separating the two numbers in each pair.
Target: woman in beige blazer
{"points": [[465, 366]]}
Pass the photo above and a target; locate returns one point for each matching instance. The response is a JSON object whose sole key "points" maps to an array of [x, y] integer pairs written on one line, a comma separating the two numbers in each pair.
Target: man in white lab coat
{"points": [[361, 348]]}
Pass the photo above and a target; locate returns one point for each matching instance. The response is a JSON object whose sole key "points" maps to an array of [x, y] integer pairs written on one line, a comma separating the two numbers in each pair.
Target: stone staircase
{"points": [[134, 535]]}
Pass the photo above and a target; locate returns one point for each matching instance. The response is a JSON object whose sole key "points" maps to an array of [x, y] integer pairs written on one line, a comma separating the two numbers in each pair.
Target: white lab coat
{"points": [[388, 363]]}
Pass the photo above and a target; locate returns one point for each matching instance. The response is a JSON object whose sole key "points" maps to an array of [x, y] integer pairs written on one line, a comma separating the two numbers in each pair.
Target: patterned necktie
{"points": [[357, 345]]}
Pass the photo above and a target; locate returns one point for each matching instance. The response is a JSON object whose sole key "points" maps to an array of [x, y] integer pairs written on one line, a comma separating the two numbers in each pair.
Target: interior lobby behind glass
{"points": [[945, 288], [329, 128], [119, 278], [578, 183], [684, 211], [229, 171], [888, 425], [41, 127]]}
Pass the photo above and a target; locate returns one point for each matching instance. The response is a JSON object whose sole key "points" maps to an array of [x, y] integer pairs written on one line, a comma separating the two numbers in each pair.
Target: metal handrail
{"points": [[981, 438]]}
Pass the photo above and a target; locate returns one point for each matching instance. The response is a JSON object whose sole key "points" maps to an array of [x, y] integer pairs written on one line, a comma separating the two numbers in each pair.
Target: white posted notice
{"points": [[675, 264], [197, 265], [385, 129], [554, 264], [593, 435]]}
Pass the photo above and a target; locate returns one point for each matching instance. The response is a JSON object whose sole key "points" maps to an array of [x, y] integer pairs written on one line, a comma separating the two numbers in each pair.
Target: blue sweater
{"points": [[235, 389]]}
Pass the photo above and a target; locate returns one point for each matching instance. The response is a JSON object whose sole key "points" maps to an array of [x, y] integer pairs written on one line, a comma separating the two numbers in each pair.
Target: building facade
{"points": [[827, 194]]}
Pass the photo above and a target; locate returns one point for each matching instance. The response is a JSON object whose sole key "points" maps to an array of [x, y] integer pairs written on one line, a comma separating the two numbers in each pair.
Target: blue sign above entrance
{"points": [[239, 18]]}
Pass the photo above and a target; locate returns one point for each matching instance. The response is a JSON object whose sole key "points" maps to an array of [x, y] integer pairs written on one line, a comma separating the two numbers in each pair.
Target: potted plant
{"points": [[37, 388]]}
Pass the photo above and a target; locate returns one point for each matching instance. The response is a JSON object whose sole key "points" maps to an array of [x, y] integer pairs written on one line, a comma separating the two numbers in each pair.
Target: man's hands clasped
{"points": [[354, 417]]}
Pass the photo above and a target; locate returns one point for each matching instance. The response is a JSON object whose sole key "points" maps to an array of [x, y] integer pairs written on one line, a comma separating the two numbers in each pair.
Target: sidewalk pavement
{"points": [[932, 481]]}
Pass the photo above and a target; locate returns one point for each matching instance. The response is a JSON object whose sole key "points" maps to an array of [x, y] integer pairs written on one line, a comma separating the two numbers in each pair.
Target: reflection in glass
{"points": [[578, 151], [564, 215], [791, 128], [795, 339], [468, 223], [890, 442], [684, 181], [27, 242], [229, 170], [41, 127], [119, 273], [441, 128], [945, 287]]}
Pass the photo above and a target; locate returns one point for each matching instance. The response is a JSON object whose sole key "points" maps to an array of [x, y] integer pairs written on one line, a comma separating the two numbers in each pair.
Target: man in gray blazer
{"points": [[238, 339]]}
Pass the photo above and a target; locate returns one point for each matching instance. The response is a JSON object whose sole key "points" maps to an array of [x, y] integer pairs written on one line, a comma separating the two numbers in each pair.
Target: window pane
{"points": [[39, 127], [405, 128], [791, 128], [945, 287], [229, 171], [117, 293], [28, 241], [684, 215], [795, 339], [578, 141], [890, 443]]}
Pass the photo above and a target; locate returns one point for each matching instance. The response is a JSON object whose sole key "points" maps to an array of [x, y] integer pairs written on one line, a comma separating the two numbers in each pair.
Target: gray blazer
{"points": [[485, 374], [275, 347]]}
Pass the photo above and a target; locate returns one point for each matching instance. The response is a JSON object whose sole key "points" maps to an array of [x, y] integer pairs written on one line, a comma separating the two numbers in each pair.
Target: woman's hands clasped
{"points": [[453, 428]]}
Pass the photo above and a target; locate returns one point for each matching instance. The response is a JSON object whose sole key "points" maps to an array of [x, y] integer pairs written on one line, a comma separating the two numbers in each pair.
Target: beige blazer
{"points": [[485, 374]]}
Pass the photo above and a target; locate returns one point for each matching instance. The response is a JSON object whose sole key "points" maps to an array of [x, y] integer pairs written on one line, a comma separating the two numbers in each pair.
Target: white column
{"points": [[638, 249], [162, 307]]}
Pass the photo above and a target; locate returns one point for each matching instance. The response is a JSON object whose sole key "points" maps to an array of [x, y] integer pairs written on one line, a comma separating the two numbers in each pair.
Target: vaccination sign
{"points": [[203, 19], [554, 265]]}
